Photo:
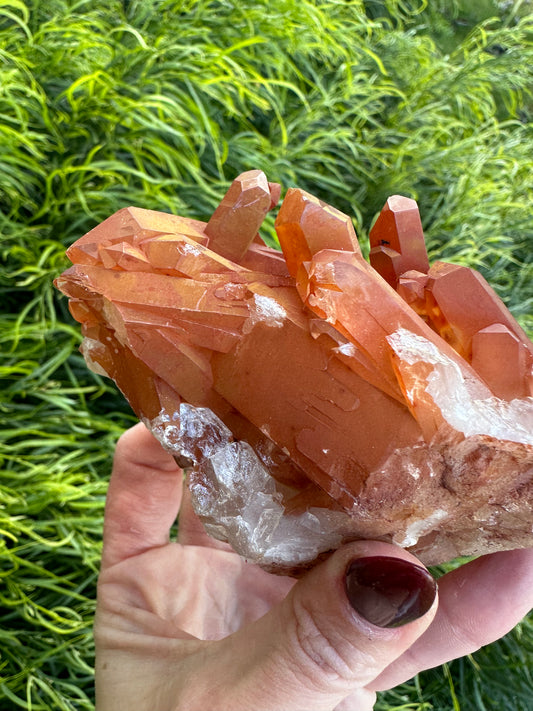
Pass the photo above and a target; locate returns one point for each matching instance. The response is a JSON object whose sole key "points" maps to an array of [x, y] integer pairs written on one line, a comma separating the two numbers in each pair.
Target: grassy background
{"points": [[160, 103]]}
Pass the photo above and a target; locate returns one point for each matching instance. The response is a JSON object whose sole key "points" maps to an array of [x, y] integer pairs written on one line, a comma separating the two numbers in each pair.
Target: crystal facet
{"points": [[316, 398]]}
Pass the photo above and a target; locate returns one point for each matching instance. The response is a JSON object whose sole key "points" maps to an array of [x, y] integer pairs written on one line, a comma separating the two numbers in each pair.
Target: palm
{"points": [[160, 601], [168, 599], [204, 592]]}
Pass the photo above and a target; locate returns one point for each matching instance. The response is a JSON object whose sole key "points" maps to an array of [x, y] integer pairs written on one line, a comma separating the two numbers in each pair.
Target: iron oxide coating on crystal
{"points": [[318, 398]]}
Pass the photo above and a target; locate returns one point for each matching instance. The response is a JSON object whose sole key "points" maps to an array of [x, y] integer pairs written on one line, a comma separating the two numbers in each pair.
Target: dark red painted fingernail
{"points": [[389, 592]]}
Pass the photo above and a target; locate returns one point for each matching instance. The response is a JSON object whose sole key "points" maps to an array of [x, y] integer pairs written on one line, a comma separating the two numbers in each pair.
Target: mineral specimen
{"points": [[316, 398]]}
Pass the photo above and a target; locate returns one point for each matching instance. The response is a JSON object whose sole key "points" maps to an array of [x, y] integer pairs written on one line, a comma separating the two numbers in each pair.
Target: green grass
{"points": [[160, 103]]}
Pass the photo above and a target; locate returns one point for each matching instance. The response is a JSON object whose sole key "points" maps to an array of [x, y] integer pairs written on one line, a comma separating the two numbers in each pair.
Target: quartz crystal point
{"points": [[315, 398]]}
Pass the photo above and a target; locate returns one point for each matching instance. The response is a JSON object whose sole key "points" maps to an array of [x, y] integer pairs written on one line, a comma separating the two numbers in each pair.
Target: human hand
{"points": [[190, 625]]}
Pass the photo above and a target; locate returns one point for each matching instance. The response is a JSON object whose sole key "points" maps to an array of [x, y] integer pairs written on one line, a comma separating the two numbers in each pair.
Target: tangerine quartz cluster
{"points": [[315, 398]]}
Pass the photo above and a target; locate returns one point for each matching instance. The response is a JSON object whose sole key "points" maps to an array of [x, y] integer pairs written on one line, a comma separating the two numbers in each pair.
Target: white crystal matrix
{"points": [[466, 405], [236, 498]]}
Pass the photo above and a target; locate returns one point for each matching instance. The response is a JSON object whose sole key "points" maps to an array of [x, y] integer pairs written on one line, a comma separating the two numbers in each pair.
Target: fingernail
{"points": [[389, 592]]}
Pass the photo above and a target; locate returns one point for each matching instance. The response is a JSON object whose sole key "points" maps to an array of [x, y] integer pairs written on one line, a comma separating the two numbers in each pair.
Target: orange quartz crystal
{"points": [[316, 398]]}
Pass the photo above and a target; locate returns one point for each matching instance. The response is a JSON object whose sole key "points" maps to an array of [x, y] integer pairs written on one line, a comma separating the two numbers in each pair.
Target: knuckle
{"points": [[466, 633], [326, 654]]}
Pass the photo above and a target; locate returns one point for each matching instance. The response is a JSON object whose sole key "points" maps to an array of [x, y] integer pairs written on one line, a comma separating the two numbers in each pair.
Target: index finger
{"points": [[143, 498], [479, 603]]}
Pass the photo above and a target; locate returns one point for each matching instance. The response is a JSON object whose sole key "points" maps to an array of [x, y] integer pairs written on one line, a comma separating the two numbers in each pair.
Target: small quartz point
{"points": [[313, 397], [397, 240], [236, 221]]}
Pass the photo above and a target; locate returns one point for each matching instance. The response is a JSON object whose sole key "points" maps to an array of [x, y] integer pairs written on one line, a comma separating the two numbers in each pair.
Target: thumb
{"points": [[340, 626]]}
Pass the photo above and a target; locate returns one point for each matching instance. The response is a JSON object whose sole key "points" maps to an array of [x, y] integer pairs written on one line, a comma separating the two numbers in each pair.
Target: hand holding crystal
{"points": [[188, 624]]}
